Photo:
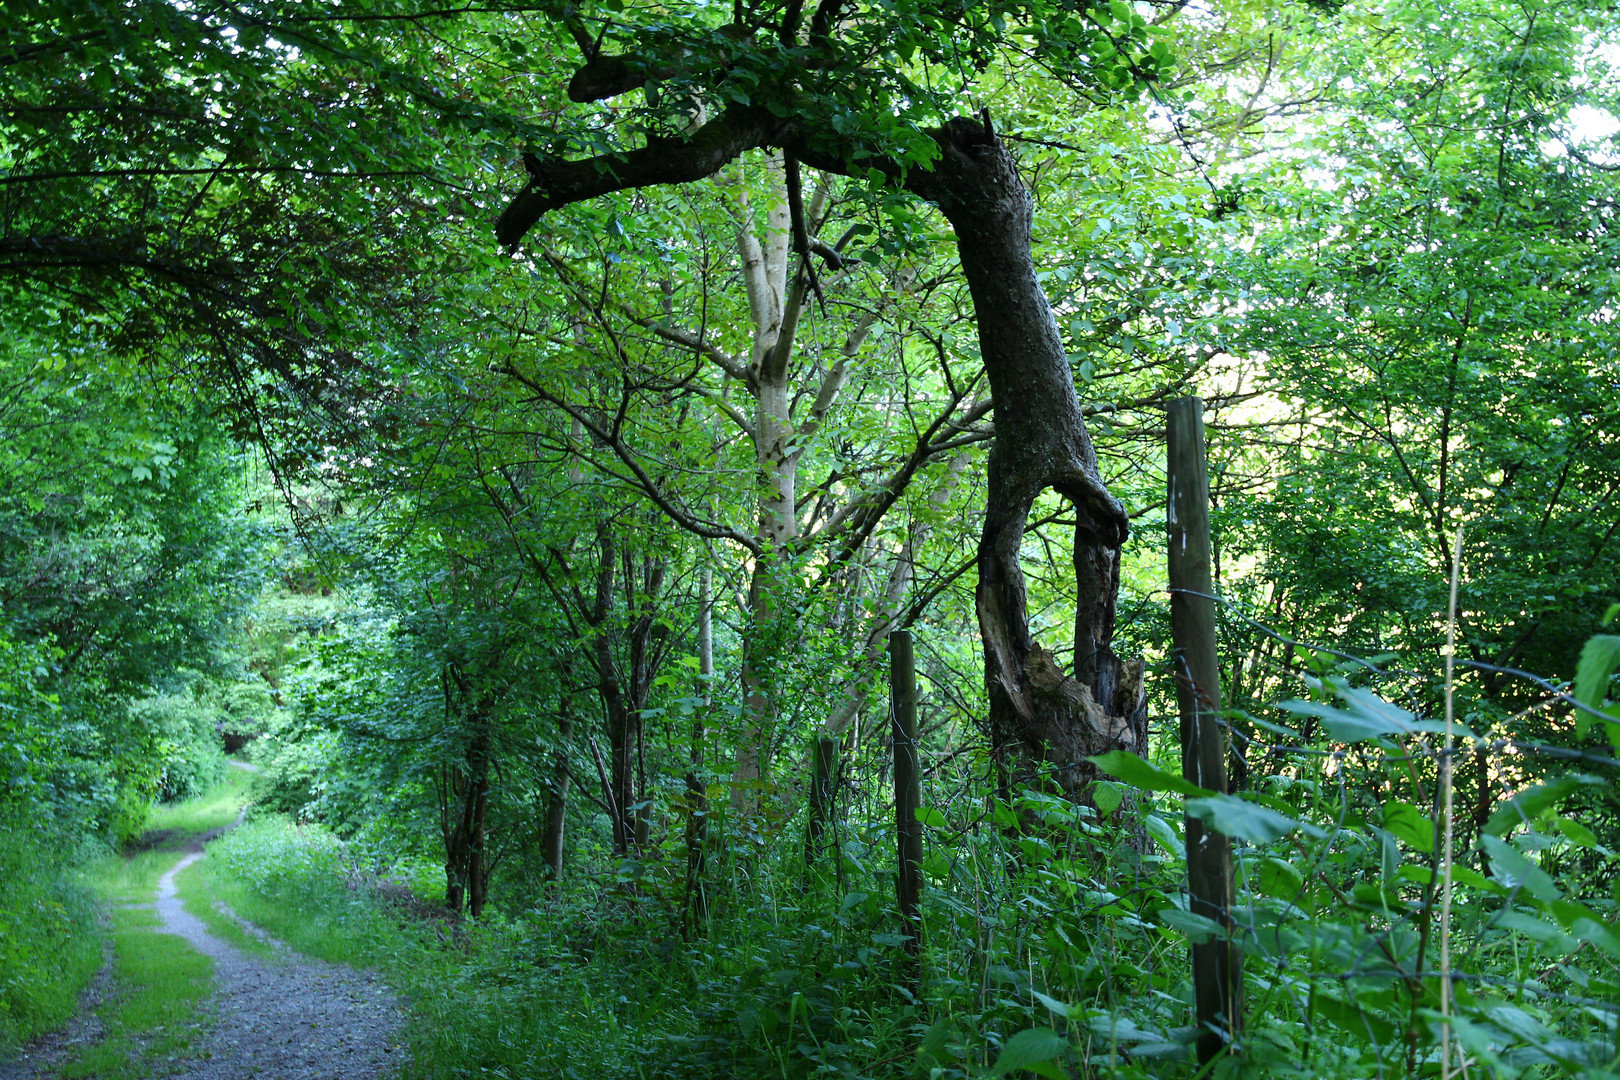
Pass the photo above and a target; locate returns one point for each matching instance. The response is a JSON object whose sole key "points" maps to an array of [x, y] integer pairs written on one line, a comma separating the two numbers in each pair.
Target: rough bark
{"points": [[1041, 721], [1050, 721]]}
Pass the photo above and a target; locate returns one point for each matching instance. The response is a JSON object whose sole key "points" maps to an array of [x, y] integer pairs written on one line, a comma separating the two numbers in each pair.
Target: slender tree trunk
{"points": [[907, 798], [625, 690], [464, 812], [697, 799], [1217, 965], [621, 722], [551, 839], [765, 277], [822, 801], [478, 863], [451, 787]]}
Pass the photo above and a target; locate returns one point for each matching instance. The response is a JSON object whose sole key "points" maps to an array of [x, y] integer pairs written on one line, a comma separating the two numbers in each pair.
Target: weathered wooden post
{"points": [[821, 797], [1217, 965], [907, 791], [697, 797]]}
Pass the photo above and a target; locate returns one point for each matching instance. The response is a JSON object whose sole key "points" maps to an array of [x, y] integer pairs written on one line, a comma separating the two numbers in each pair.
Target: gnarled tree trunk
{"points": [[1041, 720], [1037, 714]]}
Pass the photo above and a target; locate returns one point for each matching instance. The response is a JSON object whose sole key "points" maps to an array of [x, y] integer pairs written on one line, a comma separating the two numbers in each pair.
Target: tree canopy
{"points": [[528, 427]]}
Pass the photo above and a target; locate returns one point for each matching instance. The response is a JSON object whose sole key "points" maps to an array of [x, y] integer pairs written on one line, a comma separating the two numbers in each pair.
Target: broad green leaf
{"points": [[1365, 715], [1197, 928], [1518, 1023], [1410, 825], [1508, 860], [1477, 1039], [1107, 796], [1577, 834], [1278, 878], [1053, 1004], [1586, 925], [1138, 773], [1525, 805], [1245, 820], [1351, 1017], [1034, 1050], [930, 817], [1554, 941], [1164, 835], [1599, 659]]}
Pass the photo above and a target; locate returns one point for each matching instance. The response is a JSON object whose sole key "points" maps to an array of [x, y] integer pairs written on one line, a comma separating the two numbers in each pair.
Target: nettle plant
{"points": [[1387, 929]]}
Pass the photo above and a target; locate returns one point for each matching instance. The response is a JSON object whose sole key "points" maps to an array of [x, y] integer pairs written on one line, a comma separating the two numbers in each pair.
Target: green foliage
{"points": [[507, 477], [50, 943], [184, 730]]}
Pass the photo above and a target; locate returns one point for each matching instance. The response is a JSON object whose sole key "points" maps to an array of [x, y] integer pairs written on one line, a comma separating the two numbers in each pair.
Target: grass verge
{"points": [[160, 982], [50, 936], [290, 882], [154, 1013]]}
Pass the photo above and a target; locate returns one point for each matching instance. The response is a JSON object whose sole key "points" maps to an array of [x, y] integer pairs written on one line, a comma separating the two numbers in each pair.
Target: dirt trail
{"points": [[290, 1019], [287, 1018]]}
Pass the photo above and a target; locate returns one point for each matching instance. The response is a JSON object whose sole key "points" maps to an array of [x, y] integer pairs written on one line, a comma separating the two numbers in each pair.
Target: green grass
{"points": [[214, 809], [50, 935], [154, 1012], [132, 878], [160, 982], [288, 881]]}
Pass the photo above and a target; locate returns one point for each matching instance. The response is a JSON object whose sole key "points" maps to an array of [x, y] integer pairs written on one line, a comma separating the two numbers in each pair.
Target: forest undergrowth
{"points": [[525, 428], [1056, 935]]}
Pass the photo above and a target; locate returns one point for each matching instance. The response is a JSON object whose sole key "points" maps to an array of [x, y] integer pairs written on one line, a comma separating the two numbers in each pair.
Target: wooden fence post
{"points": [[1217, 965], [821, 797], [907, 791]]}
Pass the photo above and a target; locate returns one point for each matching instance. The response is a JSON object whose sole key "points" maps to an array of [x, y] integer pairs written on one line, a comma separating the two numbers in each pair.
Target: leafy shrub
{"points": [[185, 731], [50, 940]]}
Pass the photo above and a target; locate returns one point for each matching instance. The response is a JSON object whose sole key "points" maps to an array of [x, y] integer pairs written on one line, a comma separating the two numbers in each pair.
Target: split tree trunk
{"points": [[1040, 719]]}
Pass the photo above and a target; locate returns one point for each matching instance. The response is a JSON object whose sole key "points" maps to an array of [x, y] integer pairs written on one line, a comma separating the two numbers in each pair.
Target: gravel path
{"points": [[288, 1018]]}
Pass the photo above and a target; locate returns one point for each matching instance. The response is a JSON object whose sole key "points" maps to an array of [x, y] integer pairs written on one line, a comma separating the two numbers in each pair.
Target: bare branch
{"points": [[554, 182], [639, 478]]}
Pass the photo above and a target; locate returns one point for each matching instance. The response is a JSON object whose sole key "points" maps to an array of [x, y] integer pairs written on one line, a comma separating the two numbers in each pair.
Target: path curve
{"points": [[289, 1019]]}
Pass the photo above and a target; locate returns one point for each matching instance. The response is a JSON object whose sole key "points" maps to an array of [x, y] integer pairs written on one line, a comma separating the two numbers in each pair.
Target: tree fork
{"points": [[1051, 722]]}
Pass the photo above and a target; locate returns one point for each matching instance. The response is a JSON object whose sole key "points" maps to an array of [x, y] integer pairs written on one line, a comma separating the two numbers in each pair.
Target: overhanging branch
{"points": [[554, 182]]}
